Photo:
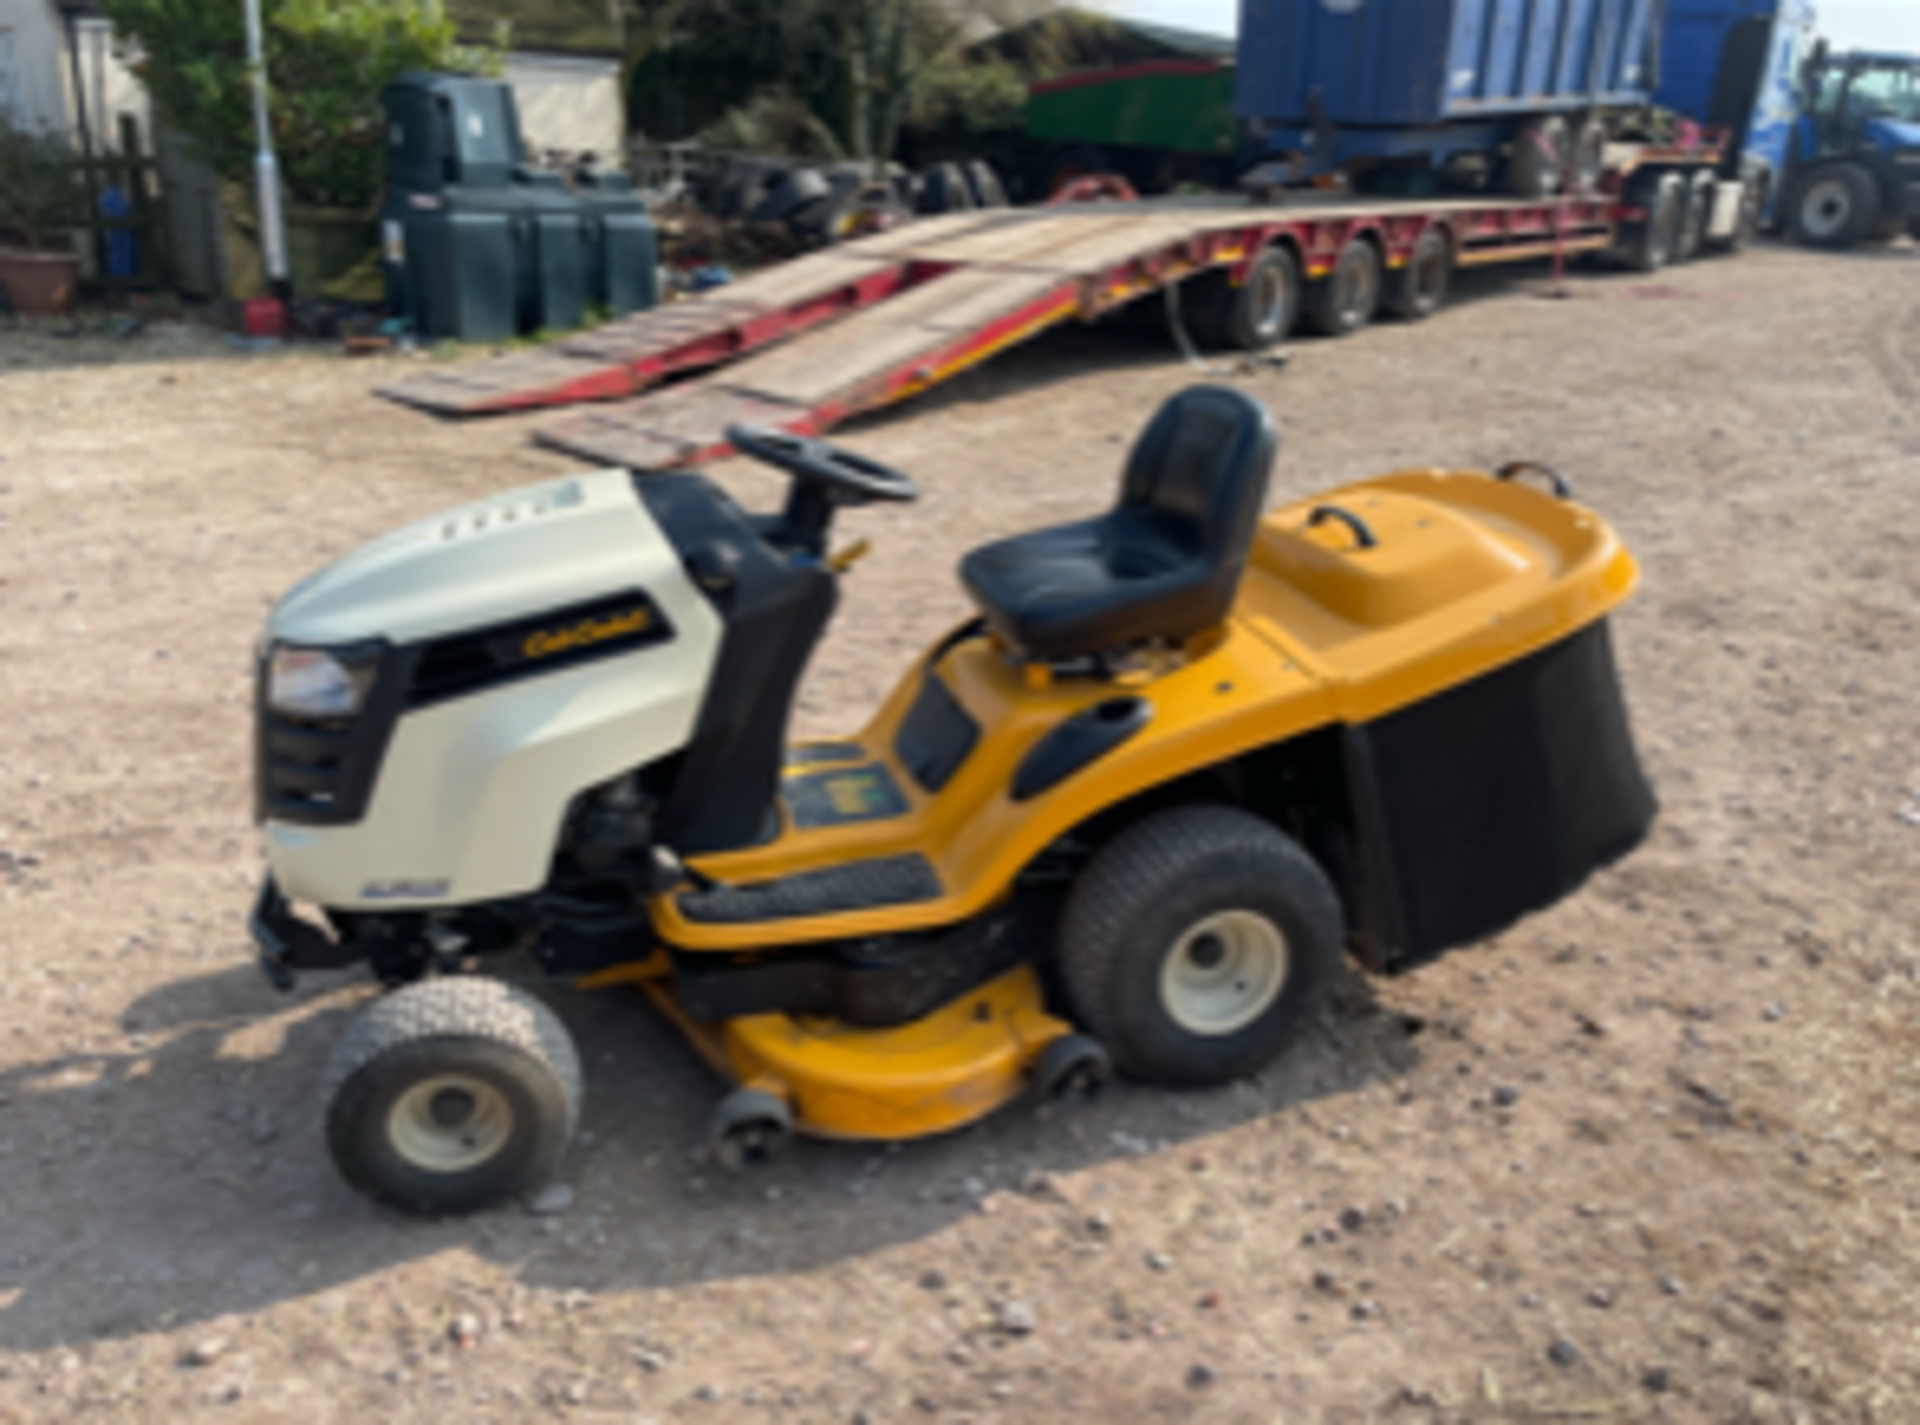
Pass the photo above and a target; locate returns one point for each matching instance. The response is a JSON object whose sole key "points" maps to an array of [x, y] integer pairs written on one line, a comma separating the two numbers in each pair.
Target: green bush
{"points": [[40, 196], [327, 61]]}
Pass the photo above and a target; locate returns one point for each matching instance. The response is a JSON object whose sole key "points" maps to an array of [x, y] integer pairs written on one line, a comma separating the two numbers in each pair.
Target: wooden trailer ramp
{"points": [[814, 341]]}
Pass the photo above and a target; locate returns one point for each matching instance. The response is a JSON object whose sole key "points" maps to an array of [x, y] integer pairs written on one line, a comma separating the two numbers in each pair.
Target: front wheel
{"points": [[1195, 942], [1836, 206], [452, 1094]]}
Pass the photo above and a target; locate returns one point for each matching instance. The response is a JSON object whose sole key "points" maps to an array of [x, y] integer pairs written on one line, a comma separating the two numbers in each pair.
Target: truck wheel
{"points": [[452, 1094], [1539, 164], [1834, 206], [1416, 291], [1346, 298], [1649, 244], [1589, 156], [1696, 211], [1194, 943]]}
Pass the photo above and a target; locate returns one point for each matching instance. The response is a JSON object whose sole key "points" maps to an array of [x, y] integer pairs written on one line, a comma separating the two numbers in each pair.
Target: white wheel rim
{"points": [[1224, 972], [450, 1123], [1825, 208]]}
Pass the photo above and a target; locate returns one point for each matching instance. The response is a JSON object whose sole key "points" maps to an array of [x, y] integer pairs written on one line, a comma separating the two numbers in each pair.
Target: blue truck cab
{"points": [[1833, 140]]}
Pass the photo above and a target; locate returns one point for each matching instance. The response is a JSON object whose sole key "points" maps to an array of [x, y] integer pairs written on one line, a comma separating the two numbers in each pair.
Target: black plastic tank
{"points": [[478, 245]]}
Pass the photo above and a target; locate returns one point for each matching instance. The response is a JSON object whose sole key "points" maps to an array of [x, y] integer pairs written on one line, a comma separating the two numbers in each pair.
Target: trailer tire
{"points": [[1696, 211], [452, 1094], [1538, 168], [1650, 243], [1195, 942], [1836, 205], [1346, 299], [1260, 313], [1418, 290]]}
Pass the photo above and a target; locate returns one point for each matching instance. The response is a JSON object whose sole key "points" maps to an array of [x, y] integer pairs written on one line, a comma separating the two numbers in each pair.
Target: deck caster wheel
{"points": [[452, 1094], [751, 1128], [1073, 1068]]}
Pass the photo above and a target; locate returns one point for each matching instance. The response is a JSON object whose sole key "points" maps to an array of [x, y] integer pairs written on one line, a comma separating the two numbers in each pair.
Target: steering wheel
{"points": [[844, 478]]}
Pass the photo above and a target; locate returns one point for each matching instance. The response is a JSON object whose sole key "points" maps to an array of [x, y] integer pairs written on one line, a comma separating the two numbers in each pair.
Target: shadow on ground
{"points": [[208, 1128]]}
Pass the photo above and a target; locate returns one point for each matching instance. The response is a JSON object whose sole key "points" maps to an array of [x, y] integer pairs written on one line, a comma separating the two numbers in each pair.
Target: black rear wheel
{"points": [[1195, 942]]}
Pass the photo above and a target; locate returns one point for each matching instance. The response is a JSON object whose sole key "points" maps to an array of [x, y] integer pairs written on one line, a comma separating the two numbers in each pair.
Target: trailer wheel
{"points": [[1833, 206], [1265, 306], [1696, 211], [452, 1094], [1589, 156], [1195, 942], [1539, 164], [1416, 291], [1650, 243], [1346, 298]]}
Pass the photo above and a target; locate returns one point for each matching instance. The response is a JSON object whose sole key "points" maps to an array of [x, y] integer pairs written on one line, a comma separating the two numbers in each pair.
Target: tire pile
{"points": [[816, 205]]}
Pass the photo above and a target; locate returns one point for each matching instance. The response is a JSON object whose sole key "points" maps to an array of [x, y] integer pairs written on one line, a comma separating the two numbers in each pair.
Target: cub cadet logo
{"points": [[587, 632]]}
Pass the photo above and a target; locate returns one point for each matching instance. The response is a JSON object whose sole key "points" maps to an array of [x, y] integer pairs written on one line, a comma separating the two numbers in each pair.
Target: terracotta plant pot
{"points": [[41, 284]]}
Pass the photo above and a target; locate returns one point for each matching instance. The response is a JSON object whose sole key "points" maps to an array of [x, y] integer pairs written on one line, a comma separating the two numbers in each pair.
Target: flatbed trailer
{"points": [[812, 342]]}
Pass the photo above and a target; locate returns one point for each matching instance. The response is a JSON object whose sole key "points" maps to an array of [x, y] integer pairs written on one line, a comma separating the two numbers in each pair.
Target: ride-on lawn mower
{"points": [[1129, 817]]}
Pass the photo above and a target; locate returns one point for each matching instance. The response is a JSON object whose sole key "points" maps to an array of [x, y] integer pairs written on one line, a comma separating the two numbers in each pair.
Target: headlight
{"points": [[311, 682]]}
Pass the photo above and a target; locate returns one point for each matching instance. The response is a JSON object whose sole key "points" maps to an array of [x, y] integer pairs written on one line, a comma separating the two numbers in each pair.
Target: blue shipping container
{"points": [[1347, 79], [1402, 63]]}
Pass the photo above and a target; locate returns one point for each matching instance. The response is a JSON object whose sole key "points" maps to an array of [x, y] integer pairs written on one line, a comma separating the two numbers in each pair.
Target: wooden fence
{"points": [[138, 179]]}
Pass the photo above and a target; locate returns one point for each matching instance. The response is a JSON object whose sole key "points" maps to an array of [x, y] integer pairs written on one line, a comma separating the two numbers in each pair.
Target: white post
{"points": [[266, 171]]}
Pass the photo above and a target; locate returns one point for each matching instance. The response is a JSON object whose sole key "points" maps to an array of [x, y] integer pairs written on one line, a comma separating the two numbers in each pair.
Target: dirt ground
{"points": [[1649, 1156]]}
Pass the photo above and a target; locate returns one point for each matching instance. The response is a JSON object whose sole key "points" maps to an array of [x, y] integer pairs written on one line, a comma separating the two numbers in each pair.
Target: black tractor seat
{"points": [[1164, 564]]}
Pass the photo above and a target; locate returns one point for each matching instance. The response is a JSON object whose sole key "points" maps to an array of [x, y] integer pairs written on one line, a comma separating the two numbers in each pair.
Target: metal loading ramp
{"points": [[809, 343]]}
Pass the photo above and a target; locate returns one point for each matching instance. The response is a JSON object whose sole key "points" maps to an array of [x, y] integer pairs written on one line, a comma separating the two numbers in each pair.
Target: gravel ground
{"points": [[1651, 1155]]}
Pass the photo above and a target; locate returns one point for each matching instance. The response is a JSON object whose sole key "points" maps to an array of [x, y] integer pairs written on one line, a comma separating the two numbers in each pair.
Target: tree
{"points": [[327, 61], [858, 66]]}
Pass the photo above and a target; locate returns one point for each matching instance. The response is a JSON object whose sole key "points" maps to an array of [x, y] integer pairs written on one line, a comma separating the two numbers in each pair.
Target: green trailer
{"points": [[1160, 123]]}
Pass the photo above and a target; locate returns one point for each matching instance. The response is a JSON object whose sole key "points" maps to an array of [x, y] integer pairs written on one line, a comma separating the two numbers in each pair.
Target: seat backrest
{"points": [[1200, 469]]}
